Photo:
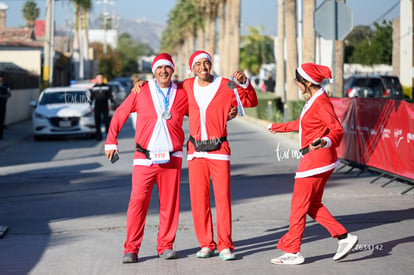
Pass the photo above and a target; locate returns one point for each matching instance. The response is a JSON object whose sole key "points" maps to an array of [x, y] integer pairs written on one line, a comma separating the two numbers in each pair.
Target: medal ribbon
{"points": [[240, 108], [166, 97]]}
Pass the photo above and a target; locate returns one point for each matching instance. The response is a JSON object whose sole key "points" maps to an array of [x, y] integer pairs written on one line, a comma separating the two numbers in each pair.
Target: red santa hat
{"points": [[161, 60], [314, 73], [197, 56]]}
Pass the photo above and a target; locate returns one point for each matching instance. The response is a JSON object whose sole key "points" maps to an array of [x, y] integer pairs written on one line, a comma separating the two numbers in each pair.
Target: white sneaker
{"points": [[226, 255], [205, 252], [289, 258], [345, 246]]}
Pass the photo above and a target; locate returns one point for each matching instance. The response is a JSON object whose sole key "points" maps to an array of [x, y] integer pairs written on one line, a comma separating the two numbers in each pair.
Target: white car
{"points": [[63, 111]]}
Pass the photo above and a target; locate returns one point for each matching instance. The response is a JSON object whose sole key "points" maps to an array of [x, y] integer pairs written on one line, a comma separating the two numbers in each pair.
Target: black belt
{"points": [[304, 151], [139, 148]]}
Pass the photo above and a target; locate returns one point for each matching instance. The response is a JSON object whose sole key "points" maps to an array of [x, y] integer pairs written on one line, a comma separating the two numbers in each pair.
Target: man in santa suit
{"points": [[159, 137], [210, 100], [320, 132]]}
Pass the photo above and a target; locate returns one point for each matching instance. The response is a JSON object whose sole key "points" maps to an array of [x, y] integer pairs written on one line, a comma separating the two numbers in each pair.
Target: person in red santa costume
{"points": [[320, 132], [159, 137], [210, 100]]}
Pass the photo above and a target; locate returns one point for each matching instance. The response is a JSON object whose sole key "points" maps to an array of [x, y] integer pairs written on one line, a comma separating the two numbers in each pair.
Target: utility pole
{"points": [[48, 50], [105, 21]]}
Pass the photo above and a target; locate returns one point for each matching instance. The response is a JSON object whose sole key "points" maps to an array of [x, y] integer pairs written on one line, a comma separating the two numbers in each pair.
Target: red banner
{"points": [[378, 133]]}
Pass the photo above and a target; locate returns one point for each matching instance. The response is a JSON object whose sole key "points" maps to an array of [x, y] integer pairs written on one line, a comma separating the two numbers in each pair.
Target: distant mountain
{"points": [[142, 31]]}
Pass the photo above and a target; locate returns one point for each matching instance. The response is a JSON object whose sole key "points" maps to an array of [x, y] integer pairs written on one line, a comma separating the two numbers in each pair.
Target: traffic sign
{"points": [[333, 20]]}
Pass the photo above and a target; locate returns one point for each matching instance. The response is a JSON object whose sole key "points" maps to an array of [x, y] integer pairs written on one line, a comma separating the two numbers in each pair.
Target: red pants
{"points": [[200, 170], [306, 199], [167, 177]]}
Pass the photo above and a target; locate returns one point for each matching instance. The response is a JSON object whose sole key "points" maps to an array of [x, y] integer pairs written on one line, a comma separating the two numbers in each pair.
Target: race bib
{"points": [[160, 157]]}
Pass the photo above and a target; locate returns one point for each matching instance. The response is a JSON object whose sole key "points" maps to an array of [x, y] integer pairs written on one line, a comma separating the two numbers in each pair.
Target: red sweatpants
{"points": [[200, 170], [306, 199], [167, 177]]}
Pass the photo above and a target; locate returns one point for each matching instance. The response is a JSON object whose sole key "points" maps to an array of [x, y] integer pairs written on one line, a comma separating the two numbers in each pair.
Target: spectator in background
{"points": [[270, 83], [101, 94], [4, 95]]}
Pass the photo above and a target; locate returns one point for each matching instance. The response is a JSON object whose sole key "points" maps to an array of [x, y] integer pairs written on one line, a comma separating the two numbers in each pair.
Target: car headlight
{"points": [[88, 114], [39, 115]]}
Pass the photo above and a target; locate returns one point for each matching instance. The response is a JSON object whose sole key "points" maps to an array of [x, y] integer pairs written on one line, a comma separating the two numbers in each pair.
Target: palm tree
{"points": [[280, 59], [339, 69], [292, 49], [30, 13], [80, 42], [308, 31]]}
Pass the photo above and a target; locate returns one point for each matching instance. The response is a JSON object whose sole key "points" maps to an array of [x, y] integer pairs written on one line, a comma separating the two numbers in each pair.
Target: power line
{"points": [[386, 13]]}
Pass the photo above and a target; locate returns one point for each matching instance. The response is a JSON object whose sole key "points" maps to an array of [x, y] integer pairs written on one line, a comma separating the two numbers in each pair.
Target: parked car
{"points": [[63, 111], [365, 86], [393, 85], [118, 92], [126, 82]]}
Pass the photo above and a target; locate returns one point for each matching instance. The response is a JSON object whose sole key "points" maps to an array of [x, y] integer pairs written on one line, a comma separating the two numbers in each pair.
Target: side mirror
{"points": [[33, 103]]}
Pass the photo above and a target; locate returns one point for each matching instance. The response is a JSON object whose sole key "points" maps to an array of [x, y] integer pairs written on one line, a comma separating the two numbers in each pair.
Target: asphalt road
{"points": [[65, 207]]}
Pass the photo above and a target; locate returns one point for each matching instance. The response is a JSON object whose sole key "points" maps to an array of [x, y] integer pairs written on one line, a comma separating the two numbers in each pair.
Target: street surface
{"points": [[65, 207]]}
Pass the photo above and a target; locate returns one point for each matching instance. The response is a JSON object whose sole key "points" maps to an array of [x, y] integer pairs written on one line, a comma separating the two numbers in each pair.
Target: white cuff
{"points": [[111, 147], [269, 126], [328, 142], [246, 84]]}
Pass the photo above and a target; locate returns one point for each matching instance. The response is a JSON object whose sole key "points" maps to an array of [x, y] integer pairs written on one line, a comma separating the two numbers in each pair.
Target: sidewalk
{"points": [[16, 133]]}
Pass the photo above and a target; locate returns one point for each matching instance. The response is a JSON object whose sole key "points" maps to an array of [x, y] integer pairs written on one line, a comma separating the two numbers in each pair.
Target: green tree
{"points": [[129, 51], [368, 47], [30, 13], [256, 49]]}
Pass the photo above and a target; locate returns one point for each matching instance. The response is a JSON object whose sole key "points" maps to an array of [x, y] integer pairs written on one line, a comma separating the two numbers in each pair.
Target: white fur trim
{"points": [[111, 147], [160, 63], [306, 76], [206, 155], [317, 171], [198, 57]]}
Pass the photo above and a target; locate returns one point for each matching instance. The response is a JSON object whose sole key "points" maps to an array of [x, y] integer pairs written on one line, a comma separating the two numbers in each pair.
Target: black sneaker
{"points": [[129, 258], [168, 254]]}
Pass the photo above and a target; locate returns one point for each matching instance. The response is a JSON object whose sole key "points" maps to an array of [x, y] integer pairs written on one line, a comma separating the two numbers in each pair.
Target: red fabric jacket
{"points": [[216, 113], [318, 120]]}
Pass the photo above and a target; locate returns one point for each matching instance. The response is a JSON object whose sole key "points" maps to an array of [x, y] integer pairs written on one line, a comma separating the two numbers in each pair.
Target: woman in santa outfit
{"points": [[210, 99], [320, 132], [159, 137]]}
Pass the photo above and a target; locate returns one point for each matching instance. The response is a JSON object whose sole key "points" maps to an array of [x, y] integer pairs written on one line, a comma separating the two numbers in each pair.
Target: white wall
{"points": [[406, 43]]}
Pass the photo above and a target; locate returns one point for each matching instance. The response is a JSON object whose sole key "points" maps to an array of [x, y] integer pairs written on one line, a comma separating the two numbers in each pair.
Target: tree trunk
{"points": [[280, 60], [222, 37], [308, 32], [292, 49], [339, 69], [234, 41]]}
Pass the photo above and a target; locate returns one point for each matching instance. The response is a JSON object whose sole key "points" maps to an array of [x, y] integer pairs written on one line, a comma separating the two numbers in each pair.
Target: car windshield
{"points": [[65, 97]]}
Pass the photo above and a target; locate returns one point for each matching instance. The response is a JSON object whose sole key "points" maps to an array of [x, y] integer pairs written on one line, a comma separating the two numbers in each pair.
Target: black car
{"points": [[392, 82], [365, 86]]}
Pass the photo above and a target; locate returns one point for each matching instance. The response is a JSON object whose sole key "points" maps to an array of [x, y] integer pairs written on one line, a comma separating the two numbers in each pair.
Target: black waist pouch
{"points": [[207, 145]]}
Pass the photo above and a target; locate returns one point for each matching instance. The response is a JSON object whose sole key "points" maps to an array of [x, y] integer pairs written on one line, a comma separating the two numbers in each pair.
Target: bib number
{"points": [[160, 157]]}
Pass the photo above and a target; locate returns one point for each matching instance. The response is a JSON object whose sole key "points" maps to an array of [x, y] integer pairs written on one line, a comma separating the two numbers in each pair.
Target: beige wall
{"points": [[18, 108]]}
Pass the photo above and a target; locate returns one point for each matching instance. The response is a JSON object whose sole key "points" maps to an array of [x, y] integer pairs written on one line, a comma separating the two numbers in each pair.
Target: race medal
{"points": [[231, 85], [166, 115]]}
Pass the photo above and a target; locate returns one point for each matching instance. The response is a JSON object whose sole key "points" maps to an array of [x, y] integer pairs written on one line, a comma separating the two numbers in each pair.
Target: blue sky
{"points": [[254, 12]]}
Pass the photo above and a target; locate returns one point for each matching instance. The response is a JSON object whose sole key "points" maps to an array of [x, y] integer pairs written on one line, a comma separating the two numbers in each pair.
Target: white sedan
{"points": [[63, 111]]}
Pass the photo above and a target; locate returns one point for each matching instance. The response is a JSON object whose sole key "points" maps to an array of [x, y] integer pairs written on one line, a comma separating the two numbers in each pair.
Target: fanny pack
{"points": [[207, 145]]}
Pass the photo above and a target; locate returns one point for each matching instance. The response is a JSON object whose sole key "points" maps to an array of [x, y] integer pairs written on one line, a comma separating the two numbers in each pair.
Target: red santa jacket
{"points": [[317, 120], [148, 109], [208, 112]]}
